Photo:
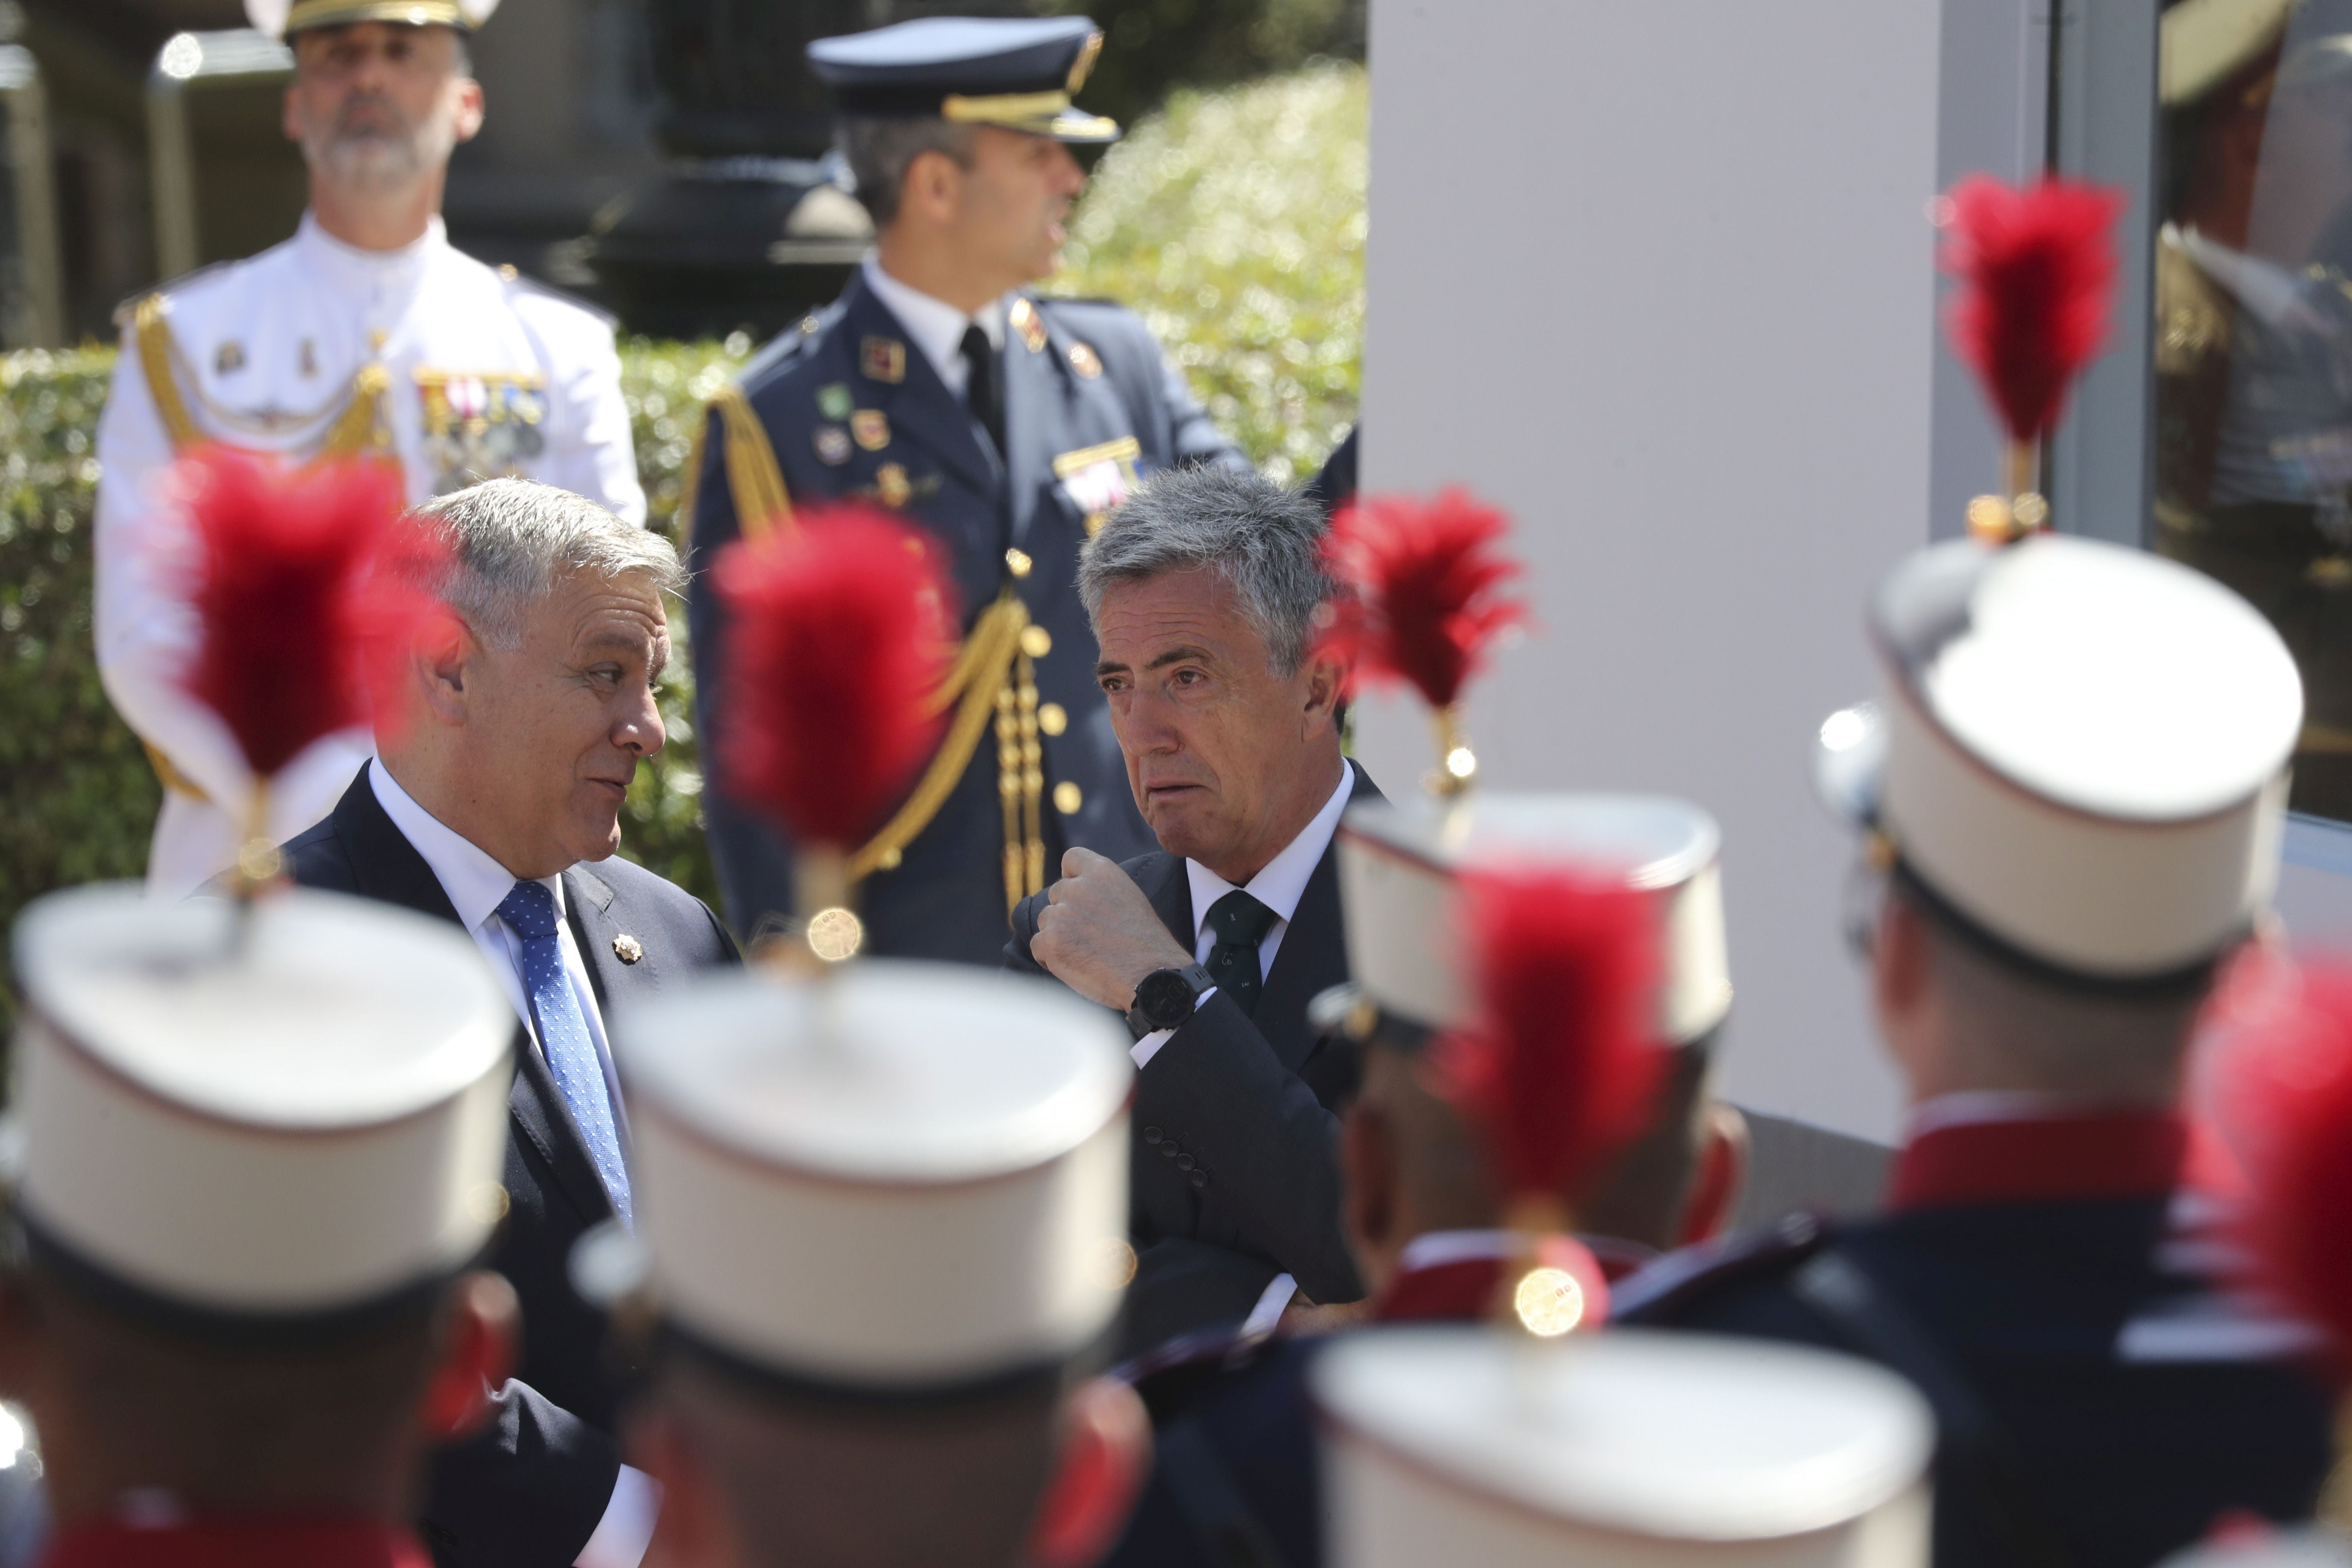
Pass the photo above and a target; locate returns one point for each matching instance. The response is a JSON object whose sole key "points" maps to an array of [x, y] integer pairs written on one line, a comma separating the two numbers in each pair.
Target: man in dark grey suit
{"points": [[491, 800], [1203, 589]]}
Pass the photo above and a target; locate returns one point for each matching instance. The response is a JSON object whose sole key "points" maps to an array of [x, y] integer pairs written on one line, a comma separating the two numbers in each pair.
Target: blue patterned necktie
{"points": [[530, 910], [1240, 923]]}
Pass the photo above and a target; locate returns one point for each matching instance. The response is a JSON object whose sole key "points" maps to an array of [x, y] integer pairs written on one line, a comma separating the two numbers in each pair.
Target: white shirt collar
{"points": [[476, 883], [936, 327], [1283, 882], [337, 260]]}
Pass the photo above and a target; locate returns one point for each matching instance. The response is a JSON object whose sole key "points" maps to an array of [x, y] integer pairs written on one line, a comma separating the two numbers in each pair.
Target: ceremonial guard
{"points": [[1459, 1444], [2071, 796], [366, 333], [1429, 1201], [1005, 422], [880, 1224], [254, 1164]]}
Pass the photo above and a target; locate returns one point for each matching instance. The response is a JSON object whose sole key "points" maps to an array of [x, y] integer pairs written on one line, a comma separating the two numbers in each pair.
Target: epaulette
{"points": [[130, 303], [1168, 1378], [518, 281], [1657, 1293], [790, 344]]}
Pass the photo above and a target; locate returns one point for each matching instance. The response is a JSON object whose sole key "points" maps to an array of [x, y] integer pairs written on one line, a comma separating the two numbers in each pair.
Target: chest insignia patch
{"points": [[1097, 478], [229, 358], [872, 428], [481, 425], [1084, 360], [831, 444], [833, 401], [883, 359], [891, 485]]}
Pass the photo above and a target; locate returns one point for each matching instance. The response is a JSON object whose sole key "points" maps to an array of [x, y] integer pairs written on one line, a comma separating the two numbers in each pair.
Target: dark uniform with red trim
{"points": [[2101, 1403], [1235, 1478], [849, 407]]}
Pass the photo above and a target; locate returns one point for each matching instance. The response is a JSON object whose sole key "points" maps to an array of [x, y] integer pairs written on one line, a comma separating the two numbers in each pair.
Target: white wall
{"points": [[1657, 277]]}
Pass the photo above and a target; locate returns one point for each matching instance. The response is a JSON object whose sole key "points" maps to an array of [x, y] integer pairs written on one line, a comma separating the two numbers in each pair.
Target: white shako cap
{"points": [[2081, 750], [899, 1177], [307, 1119], [1633, 1448], [1399, 866]]}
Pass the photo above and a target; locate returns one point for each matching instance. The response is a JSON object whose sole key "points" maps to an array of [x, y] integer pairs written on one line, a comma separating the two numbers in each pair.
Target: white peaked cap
{"points": [[900, 1177], [2083, 749], [280, 18], [308, 1118], [1407, 947], [1629, 1449]]}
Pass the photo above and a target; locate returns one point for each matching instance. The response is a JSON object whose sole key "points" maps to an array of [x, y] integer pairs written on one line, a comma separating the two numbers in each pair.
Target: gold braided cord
{"points": [[754, 479], [360, 427], [1008, 792], [152, 333], [1033, 781], [979, 680]]}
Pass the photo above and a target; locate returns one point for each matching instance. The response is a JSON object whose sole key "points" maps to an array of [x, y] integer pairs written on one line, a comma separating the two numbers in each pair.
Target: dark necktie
{"points": [[1240, 923], [530, 910], [980, 389]]}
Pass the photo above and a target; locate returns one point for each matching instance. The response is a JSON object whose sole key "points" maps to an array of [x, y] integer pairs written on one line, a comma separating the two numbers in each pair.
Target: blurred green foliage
{"points": [[1234, 222], [75, 791], [1152, 47]]}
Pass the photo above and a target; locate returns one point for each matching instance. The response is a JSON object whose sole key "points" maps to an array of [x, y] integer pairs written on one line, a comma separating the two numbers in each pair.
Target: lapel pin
{"points": [[1026, 321], [891, 484], [872, 428], [883, 359], [628, 949], [1084, 360]]}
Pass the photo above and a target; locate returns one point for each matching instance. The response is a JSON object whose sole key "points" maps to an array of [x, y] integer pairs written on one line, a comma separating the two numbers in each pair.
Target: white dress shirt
{"points": [[935, 326], [267, 352], [476, 885], [1278, 886]]}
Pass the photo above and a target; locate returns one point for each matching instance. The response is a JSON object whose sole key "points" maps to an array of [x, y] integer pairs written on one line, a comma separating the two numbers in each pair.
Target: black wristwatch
{"points": [[1165, 998]]}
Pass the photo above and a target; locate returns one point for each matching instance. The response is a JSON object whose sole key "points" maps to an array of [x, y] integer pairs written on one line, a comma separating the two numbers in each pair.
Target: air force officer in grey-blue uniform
{"points": [[1003, 423]]}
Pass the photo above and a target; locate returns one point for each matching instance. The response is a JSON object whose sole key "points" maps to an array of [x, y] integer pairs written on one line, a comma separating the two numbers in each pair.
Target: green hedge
{"points": [[1233, 221]]}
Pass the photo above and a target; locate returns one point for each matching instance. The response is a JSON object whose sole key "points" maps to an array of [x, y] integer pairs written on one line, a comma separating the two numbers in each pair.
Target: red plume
{"points": [[1421, 601], [841, 634], [297, 613], [2036, 269], [2289, 1098], [1564, 1065]]}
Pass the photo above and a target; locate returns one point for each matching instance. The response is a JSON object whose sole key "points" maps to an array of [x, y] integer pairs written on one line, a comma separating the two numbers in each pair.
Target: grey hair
{"points": [[1266, 542], [513, 541], [880, 149]]}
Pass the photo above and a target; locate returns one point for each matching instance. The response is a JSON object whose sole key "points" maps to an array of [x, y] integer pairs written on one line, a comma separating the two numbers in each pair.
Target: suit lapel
{"points": [[588, 900], [919, 405], [387, 868], [1313, 952], [1032, 394], [1163, 880]]}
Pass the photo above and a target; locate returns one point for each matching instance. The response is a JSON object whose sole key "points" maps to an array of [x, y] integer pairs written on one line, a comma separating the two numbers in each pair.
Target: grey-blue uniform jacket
{"points": [[854, 410]]}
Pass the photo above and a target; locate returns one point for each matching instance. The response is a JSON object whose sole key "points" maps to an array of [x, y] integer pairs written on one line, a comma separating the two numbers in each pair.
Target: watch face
{"points": [[1163, 996]]}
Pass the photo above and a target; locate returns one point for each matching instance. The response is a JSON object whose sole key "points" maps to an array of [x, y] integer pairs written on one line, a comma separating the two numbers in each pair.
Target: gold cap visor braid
{"points": [[306, 14], [1037, 113]]}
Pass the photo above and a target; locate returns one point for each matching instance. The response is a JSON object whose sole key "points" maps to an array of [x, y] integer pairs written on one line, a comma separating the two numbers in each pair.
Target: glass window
{"points": [[2252, 339]]}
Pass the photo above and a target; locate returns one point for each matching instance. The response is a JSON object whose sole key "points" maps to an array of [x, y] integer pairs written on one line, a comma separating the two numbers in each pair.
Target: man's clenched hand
{"points": [[1098, 933]]}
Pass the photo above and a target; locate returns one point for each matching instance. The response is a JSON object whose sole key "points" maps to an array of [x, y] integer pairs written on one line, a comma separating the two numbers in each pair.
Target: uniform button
{"points": [[1036, 641], [1053, 717], [1017, 562], [1200, 1179], [1183, 1161], [1152, 1135], [1067, 798], [1169, 1150]]}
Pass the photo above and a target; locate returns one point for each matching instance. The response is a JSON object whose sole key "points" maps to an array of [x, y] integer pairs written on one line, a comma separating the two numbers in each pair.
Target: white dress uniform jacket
{"points": [[484, 373]]}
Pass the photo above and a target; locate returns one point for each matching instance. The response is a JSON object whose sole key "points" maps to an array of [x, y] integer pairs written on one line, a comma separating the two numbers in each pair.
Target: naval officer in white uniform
{"points": [[366, 332]]}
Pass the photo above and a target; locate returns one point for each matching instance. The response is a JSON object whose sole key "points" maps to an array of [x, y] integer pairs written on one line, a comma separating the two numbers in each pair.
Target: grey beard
{"points": [[374, 163]]}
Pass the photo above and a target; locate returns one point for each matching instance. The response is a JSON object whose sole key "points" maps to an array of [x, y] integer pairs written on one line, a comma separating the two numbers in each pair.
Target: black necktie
{"points": [[1240, 923], [980, 390]]}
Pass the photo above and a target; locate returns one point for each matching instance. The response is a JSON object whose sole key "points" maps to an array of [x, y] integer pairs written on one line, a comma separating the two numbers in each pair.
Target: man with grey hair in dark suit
{"points": [[494, 804], [1203, 589]]}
